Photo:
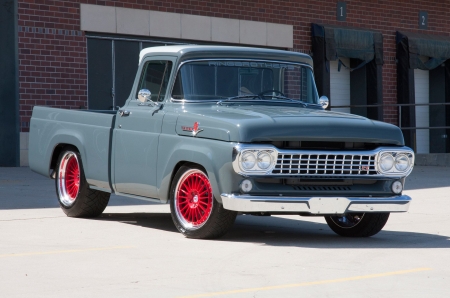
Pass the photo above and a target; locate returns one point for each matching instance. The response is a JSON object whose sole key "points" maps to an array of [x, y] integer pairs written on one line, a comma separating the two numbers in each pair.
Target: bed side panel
{"points": [[88, 131]]}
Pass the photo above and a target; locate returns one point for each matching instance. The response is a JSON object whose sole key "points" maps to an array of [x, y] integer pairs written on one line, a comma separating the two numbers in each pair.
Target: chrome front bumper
{"points": [[314, 205]]}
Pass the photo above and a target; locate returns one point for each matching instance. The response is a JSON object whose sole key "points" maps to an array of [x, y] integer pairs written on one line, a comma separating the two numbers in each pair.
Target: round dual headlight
{"points": [[395, 162], [401, 162], [248, 160], [256, 160], [386, 162], [264, 160]]}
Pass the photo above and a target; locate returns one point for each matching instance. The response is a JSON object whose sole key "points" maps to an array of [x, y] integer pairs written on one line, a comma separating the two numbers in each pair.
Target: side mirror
{"points": [[324, 101], [144, 95]]}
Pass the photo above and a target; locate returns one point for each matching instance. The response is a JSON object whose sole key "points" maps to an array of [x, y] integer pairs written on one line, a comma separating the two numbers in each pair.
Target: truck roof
{"points": [[187, 52]]}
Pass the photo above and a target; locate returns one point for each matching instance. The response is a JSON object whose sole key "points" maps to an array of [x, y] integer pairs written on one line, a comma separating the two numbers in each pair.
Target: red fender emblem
{"points": [[195, 130]]}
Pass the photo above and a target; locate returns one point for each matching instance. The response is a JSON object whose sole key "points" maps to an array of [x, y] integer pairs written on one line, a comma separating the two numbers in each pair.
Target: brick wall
{"points": [[52, 49]]}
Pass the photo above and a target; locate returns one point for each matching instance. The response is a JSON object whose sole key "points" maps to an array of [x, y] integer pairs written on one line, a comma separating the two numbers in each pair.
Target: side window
{"points": [[155, 77]]}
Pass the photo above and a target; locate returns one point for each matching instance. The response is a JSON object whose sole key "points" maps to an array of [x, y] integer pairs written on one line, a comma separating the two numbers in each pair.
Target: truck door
{"points": [[137, 128]]}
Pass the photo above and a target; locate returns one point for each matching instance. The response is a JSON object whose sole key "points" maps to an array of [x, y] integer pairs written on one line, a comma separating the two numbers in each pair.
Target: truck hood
{"points": [[246, 123]]}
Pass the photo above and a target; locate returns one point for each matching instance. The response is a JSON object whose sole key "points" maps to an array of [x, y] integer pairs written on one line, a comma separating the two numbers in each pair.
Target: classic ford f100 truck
{"points": [[219, 131]]}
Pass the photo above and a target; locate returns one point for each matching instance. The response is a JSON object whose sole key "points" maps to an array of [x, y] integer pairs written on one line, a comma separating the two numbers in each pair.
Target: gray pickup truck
{"points": [[219, 131]]}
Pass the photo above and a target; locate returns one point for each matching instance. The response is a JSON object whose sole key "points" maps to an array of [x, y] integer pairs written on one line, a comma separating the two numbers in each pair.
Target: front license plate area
{"points": [[328, 205]]}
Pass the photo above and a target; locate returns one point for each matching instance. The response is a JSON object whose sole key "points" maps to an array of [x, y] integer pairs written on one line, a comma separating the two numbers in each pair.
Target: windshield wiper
{"points": [[284, 98], [290, 99], [261, 98], [243, 96], [252, 96]]}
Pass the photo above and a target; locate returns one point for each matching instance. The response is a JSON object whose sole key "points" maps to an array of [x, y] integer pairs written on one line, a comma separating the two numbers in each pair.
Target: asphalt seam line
{"points": [[312, 283]]}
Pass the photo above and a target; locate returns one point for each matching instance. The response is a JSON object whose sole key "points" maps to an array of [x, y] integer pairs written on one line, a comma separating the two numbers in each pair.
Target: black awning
{"points": [[436, 47], [361, 44]]}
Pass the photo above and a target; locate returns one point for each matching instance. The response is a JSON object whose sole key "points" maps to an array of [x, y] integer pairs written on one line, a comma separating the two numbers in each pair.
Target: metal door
{"points": [[136, 137], [340, 86], [422, 92]]}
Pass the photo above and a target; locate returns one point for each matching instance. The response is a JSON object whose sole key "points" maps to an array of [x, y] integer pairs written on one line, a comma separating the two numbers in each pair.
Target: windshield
{"points": [[215, 80]]}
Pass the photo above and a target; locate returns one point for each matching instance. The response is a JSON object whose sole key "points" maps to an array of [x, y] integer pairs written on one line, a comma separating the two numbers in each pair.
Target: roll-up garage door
{"points": [[340, 85], [361, 50], [429, 56], [422, 94]]}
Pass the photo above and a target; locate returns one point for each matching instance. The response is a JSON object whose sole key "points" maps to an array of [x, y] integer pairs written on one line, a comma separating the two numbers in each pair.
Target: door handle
{"points": [[124, 113]]}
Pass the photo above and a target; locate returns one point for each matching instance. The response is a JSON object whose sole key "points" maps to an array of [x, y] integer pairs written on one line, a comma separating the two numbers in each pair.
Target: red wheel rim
{"points": [[72, 177], [68, 179], [194, 199]]}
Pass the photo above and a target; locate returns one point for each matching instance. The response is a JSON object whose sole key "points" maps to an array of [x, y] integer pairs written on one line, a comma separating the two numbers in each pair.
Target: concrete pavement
{"points": [[134, 250]]}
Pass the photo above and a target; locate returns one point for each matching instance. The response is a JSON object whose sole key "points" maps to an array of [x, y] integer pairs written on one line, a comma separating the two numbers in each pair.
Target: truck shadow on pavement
{"points": [[277, 231], [159, 221]]}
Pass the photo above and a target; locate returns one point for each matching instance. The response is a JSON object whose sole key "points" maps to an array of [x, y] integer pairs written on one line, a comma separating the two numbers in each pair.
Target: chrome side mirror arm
{"points": [[150, 104], [145, 98]]}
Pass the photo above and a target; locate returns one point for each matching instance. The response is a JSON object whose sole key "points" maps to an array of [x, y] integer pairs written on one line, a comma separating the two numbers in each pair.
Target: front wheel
{"points": [[195, 212], [75, 197], [357, 224]]}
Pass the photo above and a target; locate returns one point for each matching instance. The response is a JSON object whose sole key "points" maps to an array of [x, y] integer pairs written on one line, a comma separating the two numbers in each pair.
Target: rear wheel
{"points": [[195, 212], [75, 197], [357, 224]]}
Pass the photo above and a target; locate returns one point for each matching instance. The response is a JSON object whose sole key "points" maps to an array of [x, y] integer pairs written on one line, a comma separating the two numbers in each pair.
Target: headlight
{"points": [[248, 160], [401, 162], [395, 162], [255, 160], [386, 162], [264, 160]]}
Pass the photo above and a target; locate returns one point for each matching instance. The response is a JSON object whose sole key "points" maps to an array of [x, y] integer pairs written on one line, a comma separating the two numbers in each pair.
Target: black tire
{"points": [[75, 197], [357, 224], [197, 214]]}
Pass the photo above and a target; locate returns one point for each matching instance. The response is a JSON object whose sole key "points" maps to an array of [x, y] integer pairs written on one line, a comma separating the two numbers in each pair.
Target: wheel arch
{"points": [[43, 155], [177, 167], [212, 156], [55, 155]]}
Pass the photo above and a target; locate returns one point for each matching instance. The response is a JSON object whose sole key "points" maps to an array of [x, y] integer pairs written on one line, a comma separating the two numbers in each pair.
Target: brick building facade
{"points": [[53, 45]]}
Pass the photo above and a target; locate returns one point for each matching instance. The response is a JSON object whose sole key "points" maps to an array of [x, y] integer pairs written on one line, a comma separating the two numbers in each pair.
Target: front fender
{"points": [[214, 156]]}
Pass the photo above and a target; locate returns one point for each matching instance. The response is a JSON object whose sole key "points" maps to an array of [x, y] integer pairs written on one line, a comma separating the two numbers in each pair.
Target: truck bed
{"points": [[87, 130]]}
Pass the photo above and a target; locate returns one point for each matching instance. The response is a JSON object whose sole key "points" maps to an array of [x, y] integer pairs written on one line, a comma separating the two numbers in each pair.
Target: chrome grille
{"points": [[325, 164]]}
